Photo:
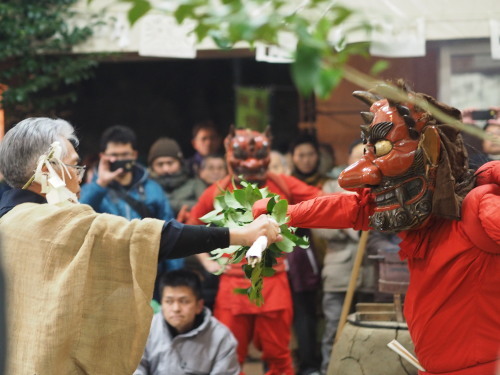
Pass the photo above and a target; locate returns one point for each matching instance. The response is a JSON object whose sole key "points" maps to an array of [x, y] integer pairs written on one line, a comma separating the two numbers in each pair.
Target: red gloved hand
{"points": [[260, 207]]}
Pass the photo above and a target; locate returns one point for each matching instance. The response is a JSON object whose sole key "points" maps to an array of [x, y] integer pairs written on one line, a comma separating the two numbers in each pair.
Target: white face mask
{"points": [[52, 185]]}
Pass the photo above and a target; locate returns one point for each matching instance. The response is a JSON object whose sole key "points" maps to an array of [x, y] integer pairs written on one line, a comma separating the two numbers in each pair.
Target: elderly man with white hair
{"points": [[78, 282]]}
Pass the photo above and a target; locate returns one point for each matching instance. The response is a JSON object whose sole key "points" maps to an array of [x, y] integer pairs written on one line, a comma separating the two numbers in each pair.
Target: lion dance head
{"points": [[414, 165], [248, 154]]}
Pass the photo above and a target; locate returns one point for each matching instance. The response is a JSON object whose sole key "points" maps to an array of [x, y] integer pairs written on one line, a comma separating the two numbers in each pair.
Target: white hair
{"points": [[24, 143]]}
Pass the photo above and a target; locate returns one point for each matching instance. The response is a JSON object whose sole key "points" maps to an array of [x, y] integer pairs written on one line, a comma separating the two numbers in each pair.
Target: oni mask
{"points": [[403, 150], [248, 154]]}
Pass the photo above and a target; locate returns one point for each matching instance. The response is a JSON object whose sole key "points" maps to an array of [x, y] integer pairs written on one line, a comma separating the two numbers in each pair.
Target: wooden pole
{"points": [[351, 288]]}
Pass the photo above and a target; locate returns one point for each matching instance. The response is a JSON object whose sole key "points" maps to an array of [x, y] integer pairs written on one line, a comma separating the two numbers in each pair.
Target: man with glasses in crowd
{"points": [[121, 186]]}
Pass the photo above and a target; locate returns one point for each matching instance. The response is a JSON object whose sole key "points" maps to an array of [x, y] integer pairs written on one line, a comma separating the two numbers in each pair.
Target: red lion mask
{"points": [[247, 154], [405, 148]]}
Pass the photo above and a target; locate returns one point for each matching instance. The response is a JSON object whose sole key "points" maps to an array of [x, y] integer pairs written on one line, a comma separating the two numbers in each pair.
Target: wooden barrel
{"points": [[362, 349]]}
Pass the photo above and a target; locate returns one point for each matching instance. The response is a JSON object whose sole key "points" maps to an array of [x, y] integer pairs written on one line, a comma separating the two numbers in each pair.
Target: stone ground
{"points": [[363, 350], [253, 364]]}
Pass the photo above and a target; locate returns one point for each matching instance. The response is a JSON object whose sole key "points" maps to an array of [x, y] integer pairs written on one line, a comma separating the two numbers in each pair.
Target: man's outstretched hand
{"points": [[248, 234]]}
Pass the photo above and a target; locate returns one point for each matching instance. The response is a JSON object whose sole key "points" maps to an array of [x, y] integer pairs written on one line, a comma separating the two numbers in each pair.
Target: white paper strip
{"points": [[254, 254], [401, 350]]}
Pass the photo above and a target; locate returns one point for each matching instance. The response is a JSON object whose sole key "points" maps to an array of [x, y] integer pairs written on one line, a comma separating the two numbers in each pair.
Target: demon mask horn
{"points": [[366, 97]]}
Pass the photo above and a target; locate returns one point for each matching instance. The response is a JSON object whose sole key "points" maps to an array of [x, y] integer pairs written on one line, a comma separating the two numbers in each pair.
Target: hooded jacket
{"points": [[210, 348]]}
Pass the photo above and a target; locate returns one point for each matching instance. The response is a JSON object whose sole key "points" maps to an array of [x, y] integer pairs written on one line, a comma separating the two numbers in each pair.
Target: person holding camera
{"points": [[489, 121], [121, 186], [492, 146]]}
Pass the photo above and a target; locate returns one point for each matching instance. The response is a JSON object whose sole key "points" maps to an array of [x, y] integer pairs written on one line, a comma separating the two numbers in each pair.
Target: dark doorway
{"points": [[167, 97]]}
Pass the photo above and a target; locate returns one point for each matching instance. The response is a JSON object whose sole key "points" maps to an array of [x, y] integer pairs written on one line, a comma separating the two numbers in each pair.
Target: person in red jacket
{"points": [[414, 179], [269, 326]]}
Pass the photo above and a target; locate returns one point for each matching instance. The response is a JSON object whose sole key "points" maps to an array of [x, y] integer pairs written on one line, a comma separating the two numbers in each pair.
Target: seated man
{"points": [[185, 338]]}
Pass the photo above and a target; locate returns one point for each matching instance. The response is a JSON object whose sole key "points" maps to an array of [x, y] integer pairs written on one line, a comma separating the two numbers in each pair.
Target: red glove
{"points": [[260, 207]]}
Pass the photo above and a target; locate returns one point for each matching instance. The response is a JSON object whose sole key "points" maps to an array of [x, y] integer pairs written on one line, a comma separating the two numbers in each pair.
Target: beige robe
{"points": [[79, 286]]}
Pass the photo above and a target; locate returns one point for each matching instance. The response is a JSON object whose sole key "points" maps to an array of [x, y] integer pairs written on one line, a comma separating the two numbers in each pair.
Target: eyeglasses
{"points": [[80, 170]]}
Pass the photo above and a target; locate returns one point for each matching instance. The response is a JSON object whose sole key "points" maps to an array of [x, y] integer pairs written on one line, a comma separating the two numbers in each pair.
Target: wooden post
{"points": [[398, 308], [351, 288]]}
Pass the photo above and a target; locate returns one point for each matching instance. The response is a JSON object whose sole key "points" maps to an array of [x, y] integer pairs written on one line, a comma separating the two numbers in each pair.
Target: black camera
{"points": [[127, 165], [484, 114]]}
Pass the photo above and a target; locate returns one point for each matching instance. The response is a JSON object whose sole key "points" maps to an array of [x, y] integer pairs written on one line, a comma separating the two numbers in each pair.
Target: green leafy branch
{"points": [[233, 209]]}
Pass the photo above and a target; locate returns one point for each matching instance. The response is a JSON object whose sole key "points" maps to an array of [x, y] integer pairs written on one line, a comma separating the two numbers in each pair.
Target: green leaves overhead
{"points": [[234, 209], [139, 9], [321, 31]]}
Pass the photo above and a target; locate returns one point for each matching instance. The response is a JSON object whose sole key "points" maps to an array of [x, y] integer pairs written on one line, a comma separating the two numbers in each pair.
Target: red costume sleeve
{"points": [[480, 209], [480, 217], [335, 211], [488, 214], [488, 173]]}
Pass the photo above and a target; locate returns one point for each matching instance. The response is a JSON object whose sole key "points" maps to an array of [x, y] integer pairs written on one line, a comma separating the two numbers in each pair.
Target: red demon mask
{"points": [[403, 147], [247, 154]]}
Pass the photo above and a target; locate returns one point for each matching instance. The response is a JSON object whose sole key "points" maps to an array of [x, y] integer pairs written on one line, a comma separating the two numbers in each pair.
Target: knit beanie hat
{"points": [[164, 147]]}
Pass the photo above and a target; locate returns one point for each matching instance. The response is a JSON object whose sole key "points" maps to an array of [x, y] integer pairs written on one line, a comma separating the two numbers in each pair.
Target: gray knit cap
{"points": [[164, 147]]}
